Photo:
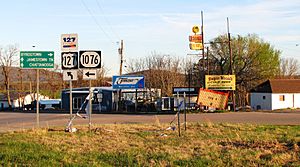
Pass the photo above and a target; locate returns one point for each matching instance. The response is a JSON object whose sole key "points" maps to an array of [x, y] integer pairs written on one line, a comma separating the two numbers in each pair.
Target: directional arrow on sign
{"points": [[89, 74], [69, 73]]}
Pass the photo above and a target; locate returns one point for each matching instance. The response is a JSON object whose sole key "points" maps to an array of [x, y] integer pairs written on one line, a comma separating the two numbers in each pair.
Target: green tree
{"points": [[253, 60]]}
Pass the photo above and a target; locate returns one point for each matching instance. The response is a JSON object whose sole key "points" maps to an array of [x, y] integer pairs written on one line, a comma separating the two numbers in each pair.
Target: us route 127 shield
{"points": [[69, 60], [128, 82]]}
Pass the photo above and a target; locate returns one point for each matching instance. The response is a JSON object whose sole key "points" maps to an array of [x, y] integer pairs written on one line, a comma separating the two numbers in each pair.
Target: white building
{"points": [[18, 101], [276, 94]]}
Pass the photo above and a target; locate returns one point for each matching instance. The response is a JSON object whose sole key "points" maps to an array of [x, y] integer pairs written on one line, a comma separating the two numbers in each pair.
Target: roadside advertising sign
{"points": [[128, 82], [196, 46], [213, 99], [195, 38], [220, 82]]}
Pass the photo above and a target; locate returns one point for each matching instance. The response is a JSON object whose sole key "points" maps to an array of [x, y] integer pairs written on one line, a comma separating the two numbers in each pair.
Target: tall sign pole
{"points": [[203, 62], [230, 65], [90, 104], [90, 62], [37, 60], [120, 73], [178, 114], [184, 102], [69, 42], [37, 98]]}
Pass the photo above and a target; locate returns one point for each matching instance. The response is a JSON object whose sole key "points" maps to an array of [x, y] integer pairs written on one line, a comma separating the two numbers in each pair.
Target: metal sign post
{"points": [[178, 116], [37, 98], [89, 62], [184, 111], [90, 105], [136, 101], [71, 102]]}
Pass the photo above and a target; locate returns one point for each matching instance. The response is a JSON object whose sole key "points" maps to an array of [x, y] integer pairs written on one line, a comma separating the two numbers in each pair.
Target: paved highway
{"points": [[10, 121]]}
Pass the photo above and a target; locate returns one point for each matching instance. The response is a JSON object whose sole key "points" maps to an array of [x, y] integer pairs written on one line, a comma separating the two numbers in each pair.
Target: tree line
{"points": [[253, 61]]}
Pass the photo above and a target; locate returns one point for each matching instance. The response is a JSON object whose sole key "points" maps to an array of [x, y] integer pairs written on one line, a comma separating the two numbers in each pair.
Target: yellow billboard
{"points": [[196, 46], [220, 82]]}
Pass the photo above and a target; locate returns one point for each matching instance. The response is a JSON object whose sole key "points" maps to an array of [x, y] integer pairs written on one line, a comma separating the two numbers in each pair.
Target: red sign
{"points": [[195, 38], [214, 99]]}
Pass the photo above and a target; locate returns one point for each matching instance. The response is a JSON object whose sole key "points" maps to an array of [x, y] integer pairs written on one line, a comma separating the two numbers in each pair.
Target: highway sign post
{"points": [[90, 61], [37, 60], [69, 63]]}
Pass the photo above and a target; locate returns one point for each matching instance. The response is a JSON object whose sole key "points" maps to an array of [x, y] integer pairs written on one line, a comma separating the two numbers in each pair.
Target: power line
{"points": [[107, 21], [96, 21]]}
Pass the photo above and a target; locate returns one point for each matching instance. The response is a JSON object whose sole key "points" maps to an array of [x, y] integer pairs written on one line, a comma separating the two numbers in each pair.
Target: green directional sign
{"points": [[37, 59]]}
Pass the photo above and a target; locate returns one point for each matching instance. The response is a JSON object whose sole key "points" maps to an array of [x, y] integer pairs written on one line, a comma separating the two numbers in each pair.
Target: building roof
{"points": [[278, 86]]}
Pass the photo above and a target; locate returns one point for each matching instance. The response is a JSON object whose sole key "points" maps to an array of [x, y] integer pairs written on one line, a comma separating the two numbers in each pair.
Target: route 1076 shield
{"points": [[69, 60], [89, 59]]}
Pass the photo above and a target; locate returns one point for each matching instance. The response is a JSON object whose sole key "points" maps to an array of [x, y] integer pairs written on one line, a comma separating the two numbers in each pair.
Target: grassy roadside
{"points": [[151, 145]]}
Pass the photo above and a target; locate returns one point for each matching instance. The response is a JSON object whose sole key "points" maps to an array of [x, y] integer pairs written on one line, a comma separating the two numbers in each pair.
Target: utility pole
{"points": [[207, 60], [120, 73], [121, 57], [230, 65], [203, 62]]}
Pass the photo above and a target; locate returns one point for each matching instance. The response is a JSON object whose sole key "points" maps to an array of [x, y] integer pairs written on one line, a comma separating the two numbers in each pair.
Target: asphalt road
{"points": [[10, 121]]}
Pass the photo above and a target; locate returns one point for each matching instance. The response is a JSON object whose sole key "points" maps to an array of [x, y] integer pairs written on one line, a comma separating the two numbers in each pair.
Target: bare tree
{"points": [[7, 59], [161, 71], [289, 67]]}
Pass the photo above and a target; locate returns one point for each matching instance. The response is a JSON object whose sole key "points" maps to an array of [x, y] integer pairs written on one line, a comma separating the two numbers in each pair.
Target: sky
{"points": [[145, 26]]}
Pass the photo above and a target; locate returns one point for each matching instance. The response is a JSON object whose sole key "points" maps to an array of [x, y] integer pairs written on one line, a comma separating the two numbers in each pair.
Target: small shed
{"points": [[104, 98], [276, 94]]}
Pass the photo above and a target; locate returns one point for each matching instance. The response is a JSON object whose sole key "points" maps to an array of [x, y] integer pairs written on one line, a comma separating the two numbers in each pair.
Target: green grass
{"points": [[144, 145]]}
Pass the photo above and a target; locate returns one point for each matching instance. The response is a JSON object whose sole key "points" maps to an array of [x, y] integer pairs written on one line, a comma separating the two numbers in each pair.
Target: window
{"points": [[77, 102], [264, 97], [281, 98]]}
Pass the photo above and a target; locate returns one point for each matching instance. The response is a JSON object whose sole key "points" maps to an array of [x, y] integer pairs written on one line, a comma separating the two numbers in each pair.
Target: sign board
{"points": [[89, 59], [220, 82], [195, 29], [90, 74], [70, 75], [187, 90], [37, 59], [196, 46], [128, 82], [195, 38], [212, 99], [69, 60], [69, 42]]}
